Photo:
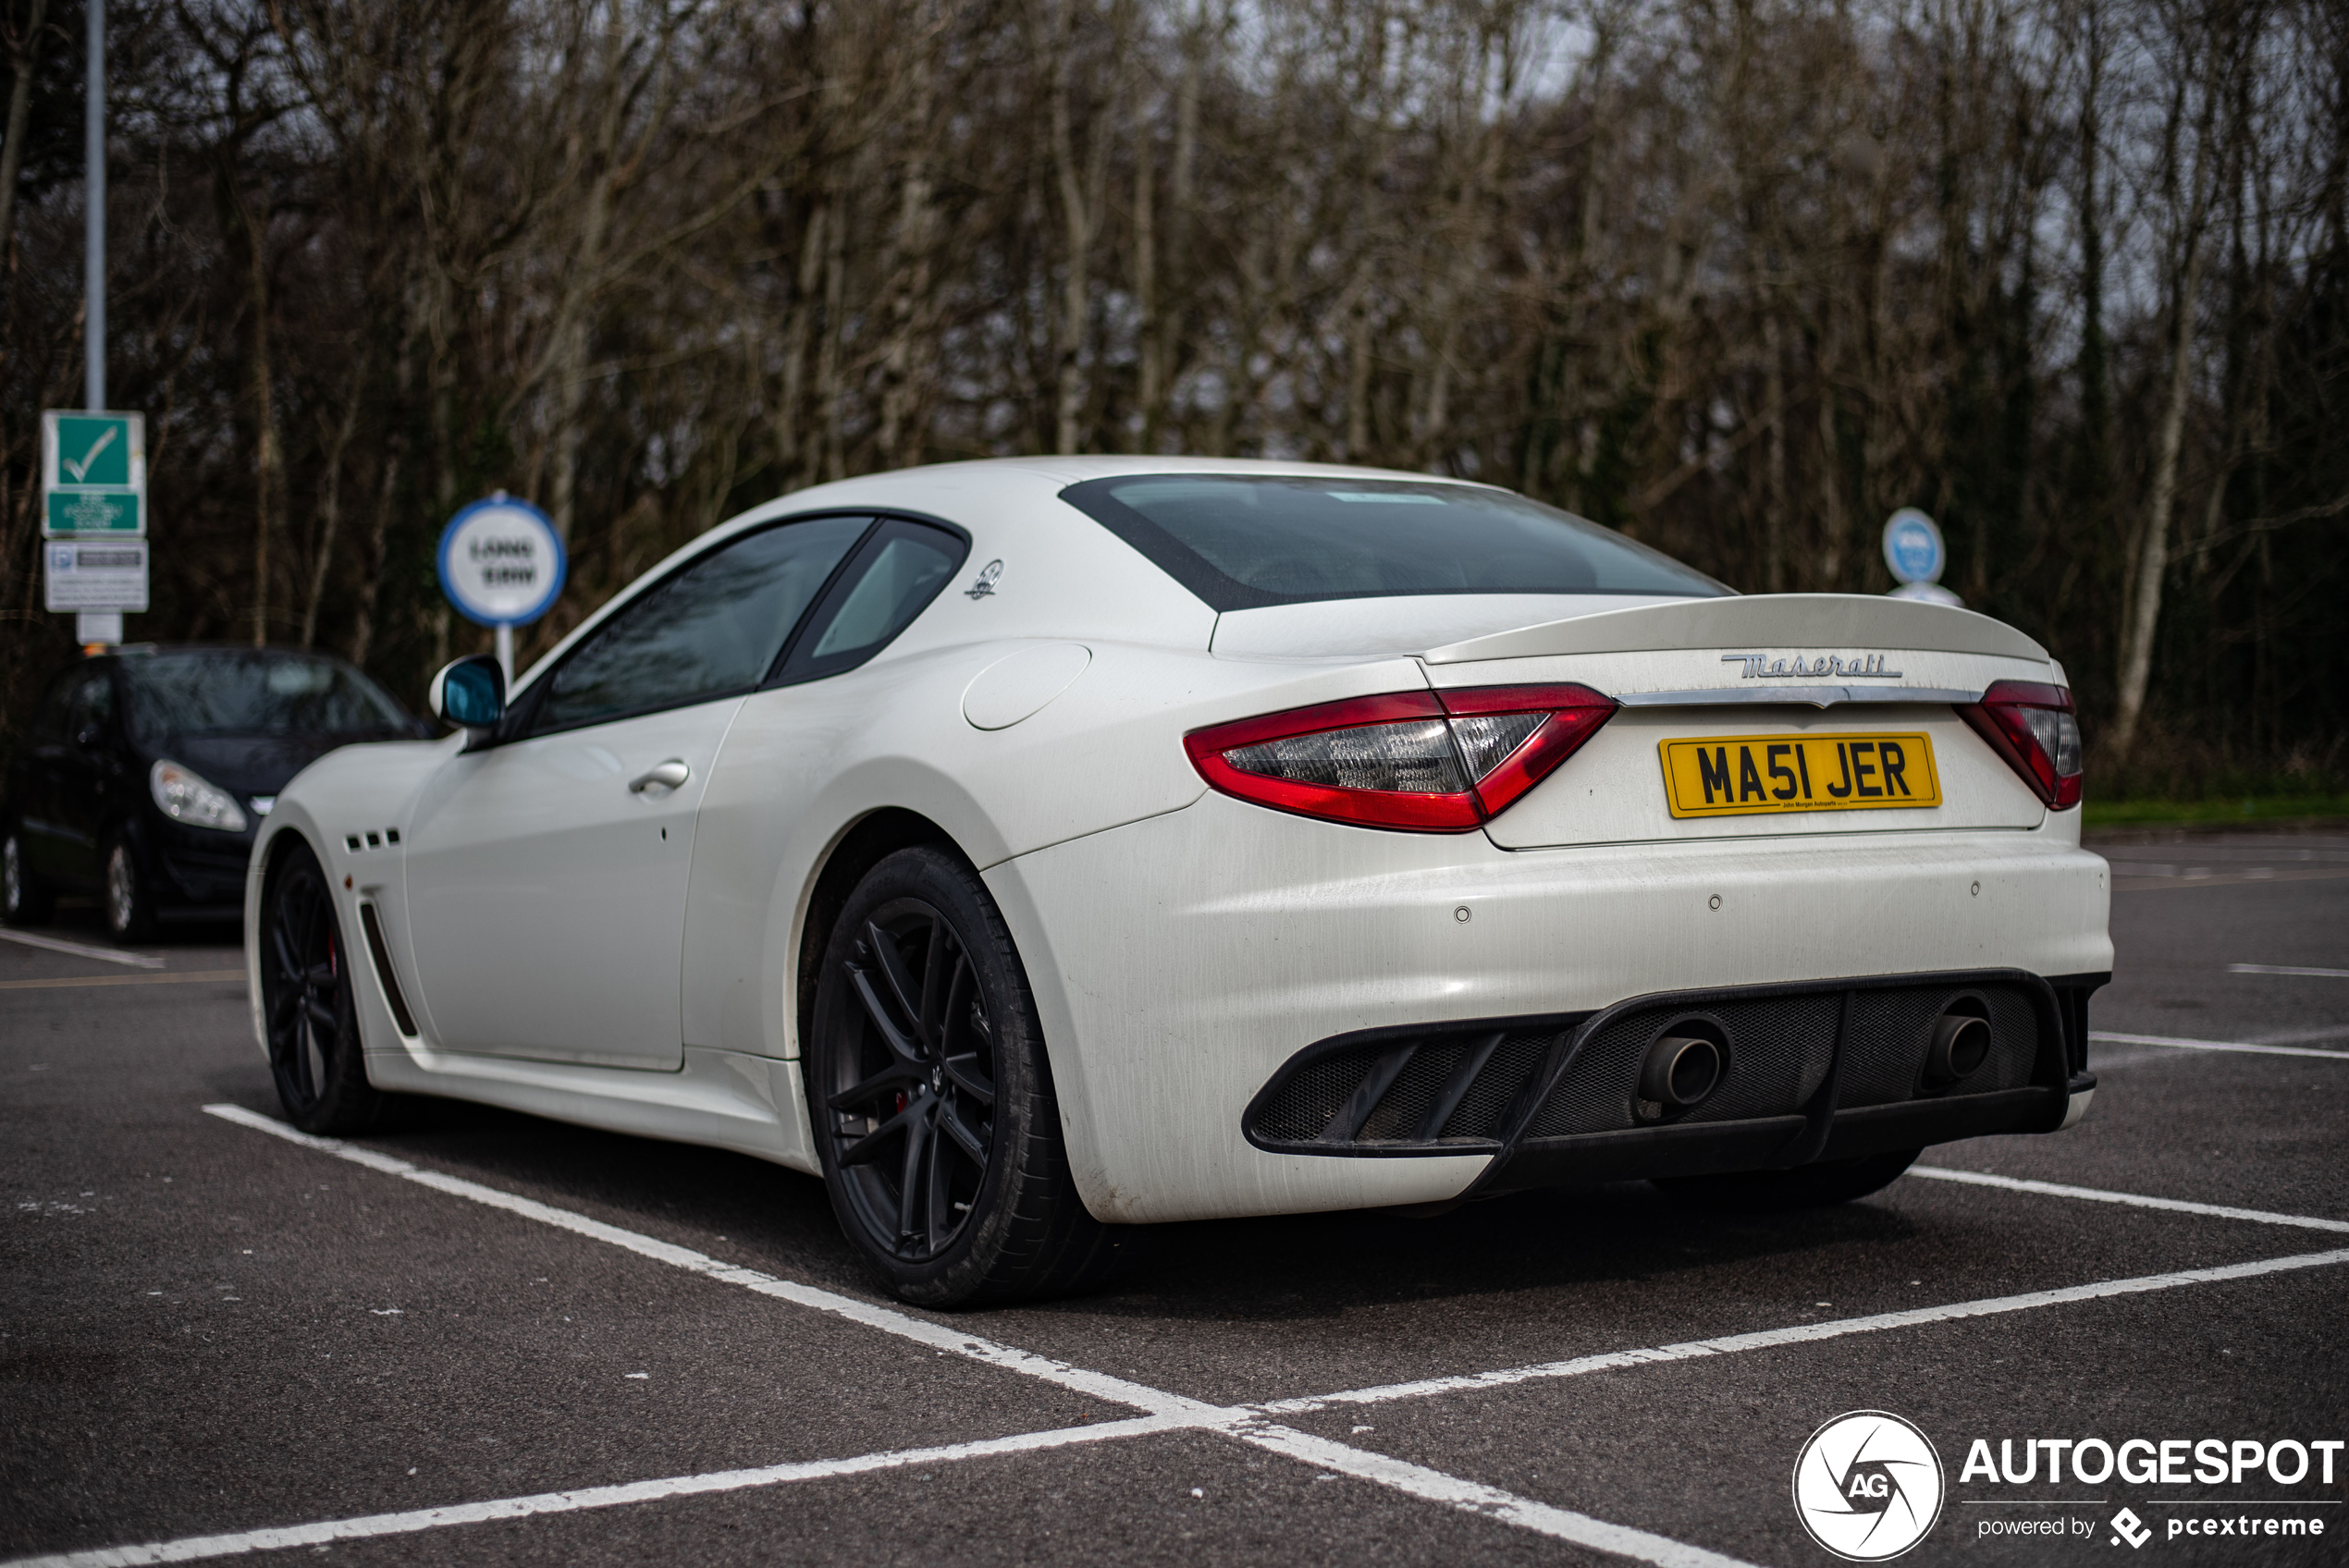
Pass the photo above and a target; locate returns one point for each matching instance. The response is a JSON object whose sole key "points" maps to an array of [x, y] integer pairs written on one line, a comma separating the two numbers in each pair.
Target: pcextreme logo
{"points": [[1868, 1486]]}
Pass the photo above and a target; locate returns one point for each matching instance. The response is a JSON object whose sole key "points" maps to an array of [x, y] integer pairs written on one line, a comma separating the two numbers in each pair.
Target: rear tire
{"points": [[25, 899], [1780, 1192], [307, 1010], [932, 1097]]}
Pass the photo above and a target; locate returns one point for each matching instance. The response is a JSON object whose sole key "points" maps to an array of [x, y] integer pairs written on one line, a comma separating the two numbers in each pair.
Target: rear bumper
{"points": [[1179, 962], [1808, 1072]]}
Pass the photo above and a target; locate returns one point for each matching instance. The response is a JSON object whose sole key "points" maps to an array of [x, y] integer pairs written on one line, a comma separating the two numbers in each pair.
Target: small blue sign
{"points": [[501, 562], [1912, 547]]}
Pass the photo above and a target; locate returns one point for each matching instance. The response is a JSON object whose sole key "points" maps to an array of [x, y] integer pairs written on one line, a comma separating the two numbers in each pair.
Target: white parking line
{"points": [[76, 982], [2287, 969], [1802, 1333], [190, 1549], [2215, 1044], [1433, 1486], [1166, 1412], [2135, 1200], [1173, 1410], [937, 1336], [1473, 1497], [56, 945]]}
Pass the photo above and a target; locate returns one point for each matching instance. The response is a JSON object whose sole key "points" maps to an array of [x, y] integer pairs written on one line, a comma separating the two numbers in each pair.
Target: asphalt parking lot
{"points": [[482, 1337]]}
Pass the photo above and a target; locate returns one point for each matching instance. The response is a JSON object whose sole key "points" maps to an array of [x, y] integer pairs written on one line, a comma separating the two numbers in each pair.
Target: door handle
{"points": [[663, 776]]}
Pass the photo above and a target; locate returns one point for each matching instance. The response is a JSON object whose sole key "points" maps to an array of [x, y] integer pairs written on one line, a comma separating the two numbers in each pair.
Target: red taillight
{"points": [[2033, 728], [1426, 762]]}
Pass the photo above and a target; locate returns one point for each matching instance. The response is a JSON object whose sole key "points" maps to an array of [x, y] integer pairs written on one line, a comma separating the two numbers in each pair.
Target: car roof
{"points": [[1012, 506], [1062, 470]]}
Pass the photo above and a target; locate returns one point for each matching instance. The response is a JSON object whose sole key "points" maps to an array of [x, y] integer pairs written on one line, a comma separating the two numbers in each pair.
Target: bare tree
{"points": [[1739, 278]]}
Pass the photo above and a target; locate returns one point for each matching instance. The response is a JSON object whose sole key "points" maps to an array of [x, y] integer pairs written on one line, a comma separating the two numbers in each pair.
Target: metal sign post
{"points": [[501, 564], [94, 258], [1914, 551], [93, 466]]}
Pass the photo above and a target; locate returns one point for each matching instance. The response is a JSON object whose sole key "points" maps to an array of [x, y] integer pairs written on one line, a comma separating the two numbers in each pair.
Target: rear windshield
{"points": [[228, 691], [1240, 543]]}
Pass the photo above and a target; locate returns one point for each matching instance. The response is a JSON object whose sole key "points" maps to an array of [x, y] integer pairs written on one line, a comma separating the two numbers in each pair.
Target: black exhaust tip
{"points": [[1960, 1044], [1680, 1069]]}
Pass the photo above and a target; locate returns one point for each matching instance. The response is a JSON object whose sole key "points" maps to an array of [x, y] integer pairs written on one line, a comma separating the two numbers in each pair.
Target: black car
{"points": [[148, 770]]}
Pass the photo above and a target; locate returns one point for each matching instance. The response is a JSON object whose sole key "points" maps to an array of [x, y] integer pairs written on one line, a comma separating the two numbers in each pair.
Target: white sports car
{"points": [[1037, 848]]}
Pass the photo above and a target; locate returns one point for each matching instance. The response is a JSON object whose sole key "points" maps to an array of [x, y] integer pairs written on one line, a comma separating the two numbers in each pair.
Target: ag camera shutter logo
{"points": [[1868, 1486]]}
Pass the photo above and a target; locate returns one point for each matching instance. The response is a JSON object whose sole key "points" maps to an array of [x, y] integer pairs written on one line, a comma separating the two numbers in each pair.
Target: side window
{"points": [[92, 704], [51, 724], [712, 628], [892, 579]]}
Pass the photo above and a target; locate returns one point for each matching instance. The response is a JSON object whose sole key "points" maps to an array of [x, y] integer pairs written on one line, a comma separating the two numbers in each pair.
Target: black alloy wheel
{"points": [[932, 1100], [307, 1007], [917, 1129], [25, 899]]}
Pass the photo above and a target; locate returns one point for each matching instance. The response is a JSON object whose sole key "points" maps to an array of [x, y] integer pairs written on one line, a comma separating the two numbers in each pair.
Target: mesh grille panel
{"points": [[2014, 1043], [1489, 1098], [1305, 1104], [1595, 1094], [1412, 1094], [1779, 1050], [1884, 1060], [1884, 1055]]}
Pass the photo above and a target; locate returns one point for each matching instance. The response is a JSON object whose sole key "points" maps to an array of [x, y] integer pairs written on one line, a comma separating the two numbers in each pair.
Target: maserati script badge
{"points": [[1761, 667]]}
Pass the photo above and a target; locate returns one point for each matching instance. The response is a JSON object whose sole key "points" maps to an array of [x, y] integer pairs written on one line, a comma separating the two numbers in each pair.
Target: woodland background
{"points": [[1737, 277]]}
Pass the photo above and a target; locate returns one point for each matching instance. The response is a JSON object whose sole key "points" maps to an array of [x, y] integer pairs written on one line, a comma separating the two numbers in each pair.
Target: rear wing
{"points": [[1824, 627]]}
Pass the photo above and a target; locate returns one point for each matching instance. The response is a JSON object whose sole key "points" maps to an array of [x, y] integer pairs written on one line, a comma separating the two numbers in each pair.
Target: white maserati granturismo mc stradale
{"points": [[1037, 849]]}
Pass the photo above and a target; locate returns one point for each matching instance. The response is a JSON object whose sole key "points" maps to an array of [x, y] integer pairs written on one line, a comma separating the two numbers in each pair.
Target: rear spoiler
{"points": [[1842, 625]]}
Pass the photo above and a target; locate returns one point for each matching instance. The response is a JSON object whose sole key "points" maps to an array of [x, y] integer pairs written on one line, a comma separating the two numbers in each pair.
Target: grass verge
{"points": [[2252, 808]]}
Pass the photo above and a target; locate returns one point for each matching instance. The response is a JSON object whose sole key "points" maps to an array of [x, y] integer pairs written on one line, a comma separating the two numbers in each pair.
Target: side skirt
{"points": [[723, 1099]]}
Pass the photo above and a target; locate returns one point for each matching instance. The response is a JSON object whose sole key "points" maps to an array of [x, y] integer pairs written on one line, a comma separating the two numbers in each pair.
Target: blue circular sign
{"points": [[1912, 547], [501, 562]]}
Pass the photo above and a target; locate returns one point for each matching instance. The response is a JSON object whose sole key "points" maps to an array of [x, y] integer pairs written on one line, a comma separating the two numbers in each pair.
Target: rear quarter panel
{"points": [[803, 764]]}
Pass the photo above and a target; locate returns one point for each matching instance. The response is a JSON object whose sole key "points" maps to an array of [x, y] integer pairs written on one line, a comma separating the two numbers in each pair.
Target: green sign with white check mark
{"points": [[93, 474]]}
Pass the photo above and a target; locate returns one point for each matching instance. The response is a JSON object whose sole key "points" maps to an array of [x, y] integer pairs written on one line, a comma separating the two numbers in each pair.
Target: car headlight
{"points": [[184, 795]]}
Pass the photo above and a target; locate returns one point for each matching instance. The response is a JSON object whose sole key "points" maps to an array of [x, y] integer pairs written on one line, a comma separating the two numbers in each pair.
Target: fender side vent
{"points": [[390, 982]]}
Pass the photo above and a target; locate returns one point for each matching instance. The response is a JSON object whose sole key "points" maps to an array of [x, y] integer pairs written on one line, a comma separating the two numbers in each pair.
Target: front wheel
{"points": [[932, 1100], [306, 1003], [130, 911], [1778, 1191]]}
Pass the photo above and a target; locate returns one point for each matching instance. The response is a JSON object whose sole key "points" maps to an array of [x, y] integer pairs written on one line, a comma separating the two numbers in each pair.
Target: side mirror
{"points": [[469, 693]]}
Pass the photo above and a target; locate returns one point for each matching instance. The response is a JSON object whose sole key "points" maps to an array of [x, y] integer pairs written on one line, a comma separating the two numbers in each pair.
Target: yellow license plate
{"points": [[1747, 775]]}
